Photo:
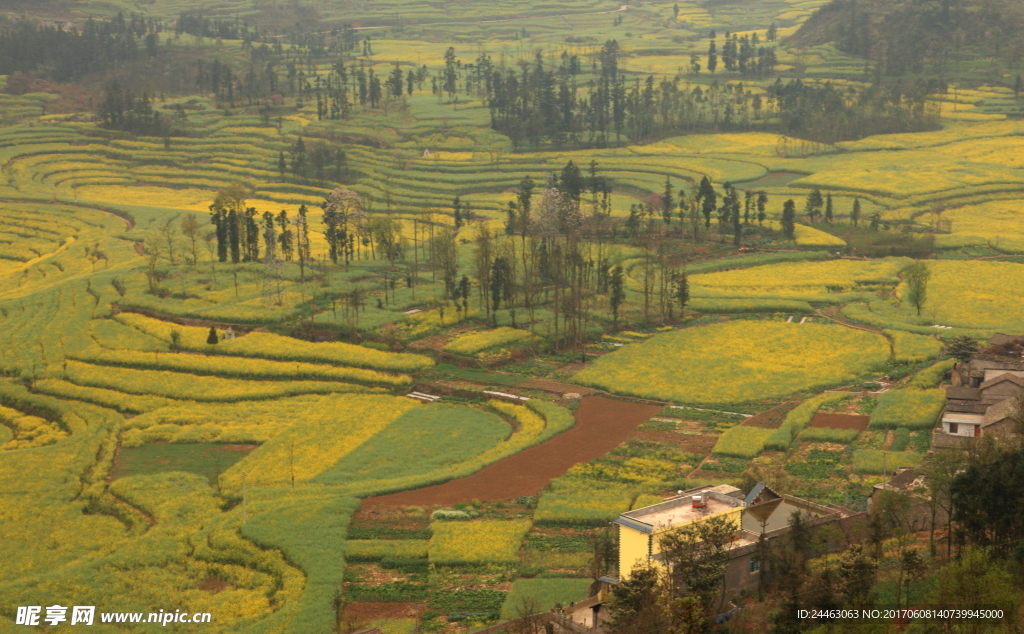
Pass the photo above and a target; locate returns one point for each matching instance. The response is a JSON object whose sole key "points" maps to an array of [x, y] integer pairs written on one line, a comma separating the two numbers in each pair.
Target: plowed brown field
{"points": [[601, 425]]}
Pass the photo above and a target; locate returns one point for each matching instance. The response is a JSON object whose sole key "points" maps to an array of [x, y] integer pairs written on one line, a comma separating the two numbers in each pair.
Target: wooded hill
{"points": [[919, 36]]}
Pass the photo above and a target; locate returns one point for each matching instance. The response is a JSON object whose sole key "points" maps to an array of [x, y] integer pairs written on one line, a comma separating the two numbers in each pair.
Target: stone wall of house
{"points": [[1003, 428], [999, 392], [942, 440]]}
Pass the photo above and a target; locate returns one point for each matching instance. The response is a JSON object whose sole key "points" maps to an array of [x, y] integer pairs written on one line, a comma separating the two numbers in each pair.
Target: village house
{"points": [[980, 401], [761, 511], [913, 483]]}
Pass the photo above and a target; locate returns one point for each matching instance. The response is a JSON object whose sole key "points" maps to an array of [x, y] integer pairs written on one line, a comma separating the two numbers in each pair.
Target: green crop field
{"points": [[211, 312]]}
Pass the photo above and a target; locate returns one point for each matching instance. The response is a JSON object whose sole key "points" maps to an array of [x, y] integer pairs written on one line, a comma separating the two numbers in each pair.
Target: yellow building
{"points": [[640, 529]]}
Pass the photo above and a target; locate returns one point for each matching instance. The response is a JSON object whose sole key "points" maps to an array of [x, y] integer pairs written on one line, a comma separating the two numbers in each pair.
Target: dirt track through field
{"points": [[601, 425]]}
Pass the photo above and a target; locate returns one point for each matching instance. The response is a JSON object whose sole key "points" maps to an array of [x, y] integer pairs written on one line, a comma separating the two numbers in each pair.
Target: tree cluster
{"points": [[122, 109], [67, 55], [923, 37]]}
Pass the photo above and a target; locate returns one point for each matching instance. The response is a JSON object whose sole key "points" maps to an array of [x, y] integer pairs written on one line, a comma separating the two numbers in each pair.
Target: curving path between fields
{"points": [[601, 425]]}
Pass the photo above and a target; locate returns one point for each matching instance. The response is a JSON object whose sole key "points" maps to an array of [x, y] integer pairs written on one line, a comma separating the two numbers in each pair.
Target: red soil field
{"points": [[601, 425], [840, 421]]}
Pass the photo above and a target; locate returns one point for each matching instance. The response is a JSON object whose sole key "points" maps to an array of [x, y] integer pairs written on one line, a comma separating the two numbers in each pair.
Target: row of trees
{"points": [[243, 234], [536, 106]]}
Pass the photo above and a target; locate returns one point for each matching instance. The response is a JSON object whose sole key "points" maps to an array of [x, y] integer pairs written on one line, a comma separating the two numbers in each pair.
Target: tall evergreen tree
{"points": [[234, 219], [396, 82], [525, 196], [668, 202], [855, 212], [712, 58], [813, 205], [269, 236], [450, 75], [616, 295], [708, 199], [828, 208], [511, 221], [220, 221], [789, 219], [285, 236], [302, 243], [571, 183], [457, 211], [682, 290], [762, 204]]}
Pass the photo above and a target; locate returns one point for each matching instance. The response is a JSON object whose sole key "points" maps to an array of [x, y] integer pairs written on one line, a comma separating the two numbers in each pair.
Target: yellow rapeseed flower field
{"points": [[483, 542], [811, 237], [974, 294], [999, 223], [245, 421], [737, 361], [20, 431], [316, 439], [798, 278], [265, 345], [475, 343], [911, 348], [191, 387], [244, 368]]}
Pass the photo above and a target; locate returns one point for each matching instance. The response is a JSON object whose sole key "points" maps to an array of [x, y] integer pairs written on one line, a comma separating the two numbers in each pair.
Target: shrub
{"points": [[911, 408], [877, 462], [481, 542]]}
